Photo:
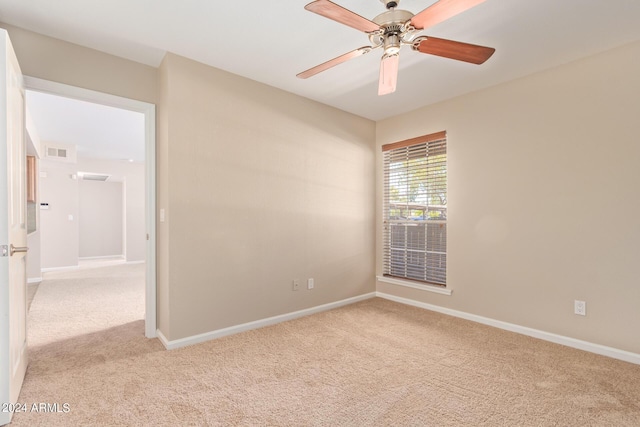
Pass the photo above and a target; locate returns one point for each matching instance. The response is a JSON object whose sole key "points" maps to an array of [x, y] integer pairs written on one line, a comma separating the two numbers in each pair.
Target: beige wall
{"points": [[543, 199], [34, 268], [132, 178], [58, 224], [61, 238], [62, 62], [260, 187], [162, 201], [34, 273], [100, 219]]}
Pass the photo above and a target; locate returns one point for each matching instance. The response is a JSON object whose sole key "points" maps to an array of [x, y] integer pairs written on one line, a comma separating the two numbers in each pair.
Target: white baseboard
{"points": [[165, 342], [196, 339], [135, 262], [34, 280], [68, 267], [90, 258], [614, 353]]}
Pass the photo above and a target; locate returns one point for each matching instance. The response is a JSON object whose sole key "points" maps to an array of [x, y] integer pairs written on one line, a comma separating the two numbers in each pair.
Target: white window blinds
{"points": [[415, 209]]}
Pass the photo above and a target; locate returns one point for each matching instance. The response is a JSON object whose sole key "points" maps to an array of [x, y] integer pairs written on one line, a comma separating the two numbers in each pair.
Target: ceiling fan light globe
{"points": [[391, 44], [388, 74]]}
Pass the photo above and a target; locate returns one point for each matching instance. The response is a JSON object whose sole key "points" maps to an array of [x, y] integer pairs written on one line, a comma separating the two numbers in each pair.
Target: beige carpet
{"points": [[372, 363]]}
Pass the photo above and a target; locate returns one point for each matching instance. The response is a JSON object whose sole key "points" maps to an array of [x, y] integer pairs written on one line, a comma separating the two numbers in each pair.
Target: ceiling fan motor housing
{"points": [[394, 30], [391, 17]]}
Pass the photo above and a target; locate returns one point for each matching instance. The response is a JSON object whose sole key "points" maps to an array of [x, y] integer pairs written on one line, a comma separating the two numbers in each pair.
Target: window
{"points": [[415, 209]]}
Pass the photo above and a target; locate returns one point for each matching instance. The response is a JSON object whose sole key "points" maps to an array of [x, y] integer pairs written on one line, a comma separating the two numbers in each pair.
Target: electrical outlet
{"points": [[296, 284], [580, 307], [310, 284]]}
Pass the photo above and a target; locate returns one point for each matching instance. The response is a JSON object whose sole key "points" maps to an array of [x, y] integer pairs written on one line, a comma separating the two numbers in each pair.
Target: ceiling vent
{"points": [[60, 153], [88, 176]]}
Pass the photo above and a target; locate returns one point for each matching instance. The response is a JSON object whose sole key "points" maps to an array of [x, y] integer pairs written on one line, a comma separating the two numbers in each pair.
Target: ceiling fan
{"points": [[396, 28]]}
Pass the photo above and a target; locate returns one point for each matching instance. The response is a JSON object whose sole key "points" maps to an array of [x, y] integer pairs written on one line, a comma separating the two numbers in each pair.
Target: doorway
{"points": [[148, 112]]}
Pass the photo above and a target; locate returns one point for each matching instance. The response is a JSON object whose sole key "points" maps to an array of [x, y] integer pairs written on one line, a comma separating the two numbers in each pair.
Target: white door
{"points": [[13, 231]]}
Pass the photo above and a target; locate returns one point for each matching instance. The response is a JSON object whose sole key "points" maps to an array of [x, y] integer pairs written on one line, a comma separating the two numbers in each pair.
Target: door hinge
{"points": [[4, 249]]}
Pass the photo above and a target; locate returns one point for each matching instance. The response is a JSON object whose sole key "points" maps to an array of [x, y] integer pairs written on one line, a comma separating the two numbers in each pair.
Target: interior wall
{"points": [[101, 219], [62, 62], [163, 243], [58, 223], [543, 199], [132, 177], [34, 269], [62, 192], [260, 187]]}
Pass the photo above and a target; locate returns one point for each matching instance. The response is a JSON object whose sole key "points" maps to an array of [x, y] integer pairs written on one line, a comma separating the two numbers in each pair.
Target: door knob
{"points": [[14, 249]]}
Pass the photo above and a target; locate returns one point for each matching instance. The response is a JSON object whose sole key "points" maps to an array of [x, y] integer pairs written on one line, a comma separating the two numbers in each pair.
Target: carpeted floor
{"points": [[372, 363]]}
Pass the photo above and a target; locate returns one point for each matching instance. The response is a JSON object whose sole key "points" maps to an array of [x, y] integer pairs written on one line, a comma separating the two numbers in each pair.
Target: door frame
{"points": [[149, 111]]}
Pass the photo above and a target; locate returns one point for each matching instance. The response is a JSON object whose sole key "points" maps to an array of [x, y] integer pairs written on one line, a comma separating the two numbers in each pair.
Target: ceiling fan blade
{"points": [[455, 50], [333, 62], [344, 16], [388, 74], [441, 11]]}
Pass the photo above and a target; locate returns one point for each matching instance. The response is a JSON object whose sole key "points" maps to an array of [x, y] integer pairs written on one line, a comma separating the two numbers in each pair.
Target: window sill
{"points": [[410, 284]]}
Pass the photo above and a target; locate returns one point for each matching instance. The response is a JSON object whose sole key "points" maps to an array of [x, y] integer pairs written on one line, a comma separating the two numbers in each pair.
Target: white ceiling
{"points": [[97, 131], [271, 41]]}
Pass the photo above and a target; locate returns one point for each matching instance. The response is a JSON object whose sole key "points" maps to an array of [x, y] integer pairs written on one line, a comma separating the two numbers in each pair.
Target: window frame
{"points": [[437, 142]]}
